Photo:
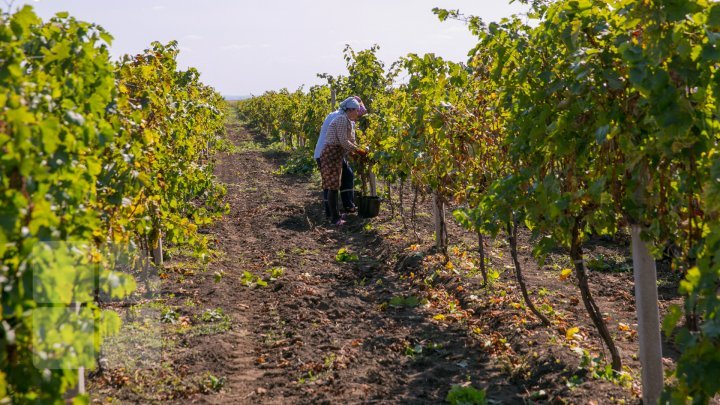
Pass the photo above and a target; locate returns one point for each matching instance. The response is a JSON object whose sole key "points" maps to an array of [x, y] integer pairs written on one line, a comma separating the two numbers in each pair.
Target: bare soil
{"points": [[399, 325]]}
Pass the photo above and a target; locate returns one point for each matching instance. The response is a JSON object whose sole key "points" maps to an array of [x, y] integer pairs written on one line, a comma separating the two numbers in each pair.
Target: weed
{"points": [[595, 369], [493, 274], [250, 280], [247, 146], [299, 162], [309, 377], [574, 381], [212, 384], [460, 395], [213, 315], [302, 251], [213, 321], [319, 371], [614, 264], [344, 255], [547, 309], [412, 351], [275, 273], [329, 361], [418, 349], [270, 338], [410, 301], [168, 315]]}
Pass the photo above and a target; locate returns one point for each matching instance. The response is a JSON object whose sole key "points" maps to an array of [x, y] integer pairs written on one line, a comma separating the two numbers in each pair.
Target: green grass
{"points": [[211, 322]]}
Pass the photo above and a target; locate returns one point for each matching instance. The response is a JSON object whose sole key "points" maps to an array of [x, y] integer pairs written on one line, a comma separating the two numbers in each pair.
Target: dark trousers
{"points": [[347, 184]]}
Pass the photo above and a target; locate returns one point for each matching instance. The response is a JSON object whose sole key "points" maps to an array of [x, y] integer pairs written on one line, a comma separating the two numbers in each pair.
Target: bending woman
{"points": [[347, 178], [340, 140]]}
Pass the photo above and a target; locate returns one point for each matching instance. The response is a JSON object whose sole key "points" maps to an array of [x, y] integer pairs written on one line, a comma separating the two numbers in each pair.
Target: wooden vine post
{"points": [[373, 182], [81, 370], [440, 227], [646, 303], [156, 243], [158, 252], [646, 306]]}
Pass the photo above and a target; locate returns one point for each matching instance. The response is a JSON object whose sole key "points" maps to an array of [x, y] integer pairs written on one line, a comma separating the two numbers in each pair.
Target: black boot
{"points": [[326, 204], [333, 203], [347, 197]]}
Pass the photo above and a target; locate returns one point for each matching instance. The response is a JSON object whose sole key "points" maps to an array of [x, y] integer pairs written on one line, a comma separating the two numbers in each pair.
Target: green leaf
{"points": [[50, 129], [691, 281], [23, 19], [713, 19], [671, 319], [469, 395], [441, 13], [106, 37], [344, 256]]}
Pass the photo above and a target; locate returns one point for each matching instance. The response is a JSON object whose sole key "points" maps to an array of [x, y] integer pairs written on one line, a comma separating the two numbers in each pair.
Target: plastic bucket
{"points": [[369, 207], [362, 206]]}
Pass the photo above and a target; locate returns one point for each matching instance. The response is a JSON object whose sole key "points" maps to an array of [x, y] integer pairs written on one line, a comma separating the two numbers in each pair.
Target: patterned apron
{"points": [[331, 166]]}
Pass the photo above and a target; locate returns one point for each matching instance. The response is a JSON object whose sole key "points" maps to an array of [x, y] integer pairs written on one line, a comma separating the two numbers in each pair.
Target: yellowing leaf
{"points": [[565, 273], [95, 257], [570, 333], [623, 327], [439, 317]]}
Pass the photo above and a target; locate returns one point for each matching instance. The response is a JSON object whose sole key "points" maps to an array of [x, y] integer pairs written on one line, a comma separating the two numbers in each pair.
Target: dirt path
{"points": [[319, 333]]}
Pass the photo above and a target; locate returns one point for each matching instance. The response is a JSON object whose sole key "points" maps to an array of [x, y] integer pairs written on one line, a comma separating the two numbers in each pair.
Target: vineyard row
{"points": [[581, 118], [98, 159]]}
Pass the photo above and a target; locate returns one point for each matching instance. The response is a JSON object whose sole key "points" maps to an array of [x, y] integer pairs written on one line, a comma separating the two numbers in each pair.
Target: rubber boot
{"points": [[347, 181], [326, 204], [333, 203]]}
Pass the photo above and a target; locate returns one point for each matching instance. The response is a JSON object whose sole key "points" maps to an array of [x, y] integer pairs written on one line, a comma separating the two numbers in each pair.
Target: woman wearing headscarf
{"points": [[339, 142], [347, 178]]}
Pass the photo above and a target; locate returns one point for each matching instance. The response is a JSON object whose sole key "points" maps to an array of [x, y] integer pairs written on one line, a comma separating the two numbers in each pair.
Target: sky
{"points": [[247, 47]]}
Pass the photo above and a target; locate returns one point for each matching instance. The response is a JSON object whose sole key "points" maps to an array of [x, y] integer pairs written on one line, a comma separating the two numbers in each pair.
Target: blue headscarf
{"points": [[349, 103]]}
